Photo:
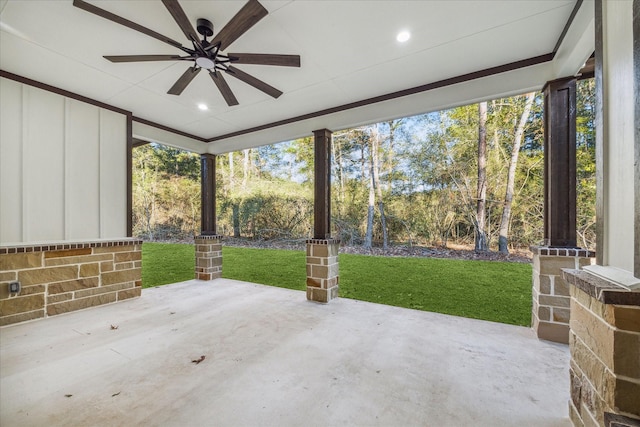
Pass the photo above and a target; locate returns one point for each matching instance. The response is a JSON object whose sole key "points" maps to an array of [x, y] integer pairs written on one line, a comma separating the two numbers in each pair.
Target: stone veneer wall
{"points": [[550, 311], [59, 278], [208, 257], [605, 352], [322, 269]]}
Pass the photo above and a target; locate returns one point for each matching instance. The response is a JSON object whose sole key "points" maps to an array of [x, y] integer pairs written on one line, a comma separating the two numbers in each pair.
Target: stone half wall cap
{"points": [[553, 251], [604, 290], [209, 236], [324, 241], [616, 275]]}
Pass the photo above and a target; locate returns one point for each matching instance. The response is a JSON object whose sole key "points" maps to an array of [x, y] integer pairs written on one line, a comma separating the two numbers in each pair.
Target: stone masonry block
{"points": [[123, 266], [593, 406], [599, 375], [627, 397], [561, 315], [20, 261], [77, 304], [88, 270], [560, 287], [8, 276], [127, 256], [626, 354], [575, 381], [129, 293], [556, 332], [544, 313], [35, 289], [106, 266], [554, 301], [19, 305], [48, 275], [103, 289], [50, 262], [542, 283], [574, 416], [121, 276], [67, 253], [52, 299], [623, 317], [315, 260], [320, 271], [593, 331], [73, 285], [554, 265], [22, 317]]}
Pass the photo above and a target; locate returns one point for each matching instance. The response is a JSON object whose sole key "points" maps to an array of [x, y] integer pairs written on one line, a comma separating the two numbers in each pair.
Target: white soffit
{"points": [[348, 53]]}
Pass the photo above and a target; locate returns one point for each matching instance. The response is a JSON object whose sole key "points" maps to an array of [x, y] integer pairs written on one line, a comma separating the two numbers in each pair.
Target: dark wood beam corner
{"points": [[139, 142], [208, 194], [322, 184]]}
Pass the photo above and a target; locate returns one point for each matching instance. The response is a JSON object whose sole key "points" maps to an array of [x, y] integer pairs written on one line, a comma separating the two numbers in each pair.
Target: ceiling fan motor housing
{"points": [[205, 27]]}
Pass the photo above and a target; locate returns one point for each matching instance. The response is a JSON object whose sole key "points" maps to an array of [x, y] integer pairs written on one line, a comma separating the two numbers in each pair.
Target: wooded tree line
{"points": [[470, 175]]}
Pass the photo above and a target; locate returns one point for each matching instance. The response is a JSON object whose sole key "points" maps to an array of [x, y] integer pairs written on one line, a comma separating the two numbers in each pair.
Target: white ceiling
{"points": [[348, 53]]}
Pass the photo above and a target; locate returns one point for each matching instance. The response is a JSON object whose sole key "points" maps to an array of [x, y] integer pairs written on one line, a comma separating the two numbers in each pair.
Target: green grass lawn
{"points": [[496, 291]]}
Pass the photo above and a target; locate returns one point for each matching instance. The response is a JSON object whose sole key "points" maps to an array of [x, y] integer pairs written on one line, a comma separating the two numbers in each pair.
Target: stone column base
{"points": [[208, 257], [605, 348], [550, 312], [322, 269]]}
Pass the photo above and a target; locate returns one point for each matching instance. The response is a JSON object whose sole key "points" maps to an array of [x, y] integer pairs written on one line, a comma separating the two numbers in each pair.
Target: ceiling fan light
{"points": [[206, 63]]}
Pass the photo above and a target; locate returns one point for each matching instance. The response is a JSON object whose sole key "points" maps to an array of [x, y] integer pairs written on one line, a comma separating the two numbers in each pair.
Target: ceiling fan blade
{"points": [[142, 58], [181, 19], [250, 80], [122, 21], [224, 88], [265, 59], [183, 81], [247, 17]]}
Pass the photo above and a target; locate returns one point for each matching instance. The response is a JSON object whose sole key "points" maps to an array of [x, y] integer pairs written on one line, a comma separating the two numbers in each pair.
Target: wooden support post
{"points": [[560, 163], [322, 184], [208, 194]]}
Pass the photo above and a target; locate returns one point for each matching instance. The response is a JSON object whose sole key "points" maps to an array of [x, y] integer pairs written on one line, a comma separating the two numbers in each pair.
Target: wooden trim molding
{"points": [[600, 123], [169, 129], [129, 175], [62, 92], [575, 10], [394, 95], [636, 92]]}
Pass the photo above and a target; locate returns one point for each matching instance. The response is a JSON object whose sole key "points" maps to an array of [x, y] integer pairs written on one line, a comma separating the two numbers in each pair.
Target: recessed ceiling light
{"points": [[203, 107], [403, 36]]}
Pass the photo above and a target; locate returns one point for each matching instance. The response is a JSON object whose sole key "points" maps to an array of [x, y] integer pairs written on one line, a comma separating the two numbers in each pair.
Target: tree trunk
{"points": [[245, 167], [375, 168], [481, 235], [231, 170], [235, 209], [369, 236], [508, 198]]}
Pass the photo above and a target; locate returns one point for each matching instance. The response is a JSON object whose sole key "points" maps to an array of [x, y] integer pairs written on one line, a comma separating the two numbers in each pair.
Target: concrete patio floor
{"points": [[274, 359]]}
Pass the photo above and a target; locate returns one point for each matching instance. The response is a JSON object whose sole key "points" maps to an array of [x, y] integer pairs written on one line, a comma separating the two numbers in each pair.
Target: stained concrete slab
{"points": [[274, 359]]}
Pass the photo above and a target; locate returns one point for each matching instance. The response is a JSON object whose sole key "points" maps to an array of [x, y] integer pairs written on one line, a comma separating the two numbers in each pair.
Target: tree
{"points": [[508, 197], [481, 236]]}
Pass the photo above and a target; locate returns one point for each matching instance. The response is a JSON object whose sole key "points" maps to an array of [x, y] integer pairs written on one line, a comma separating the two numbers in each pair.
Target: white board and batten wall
{"points": [[63, 167]]}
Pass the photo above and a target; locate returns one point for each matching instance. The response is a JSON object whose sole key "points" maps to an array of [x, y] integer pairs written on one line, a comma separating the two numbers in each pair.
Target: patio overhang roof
{"points": [[353, 70]]}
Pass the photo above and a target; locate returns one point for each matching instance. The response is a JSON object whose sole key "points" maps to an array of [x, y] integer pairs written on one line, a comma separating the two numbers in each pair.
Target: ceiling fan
{"points": [[206, 54]]}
